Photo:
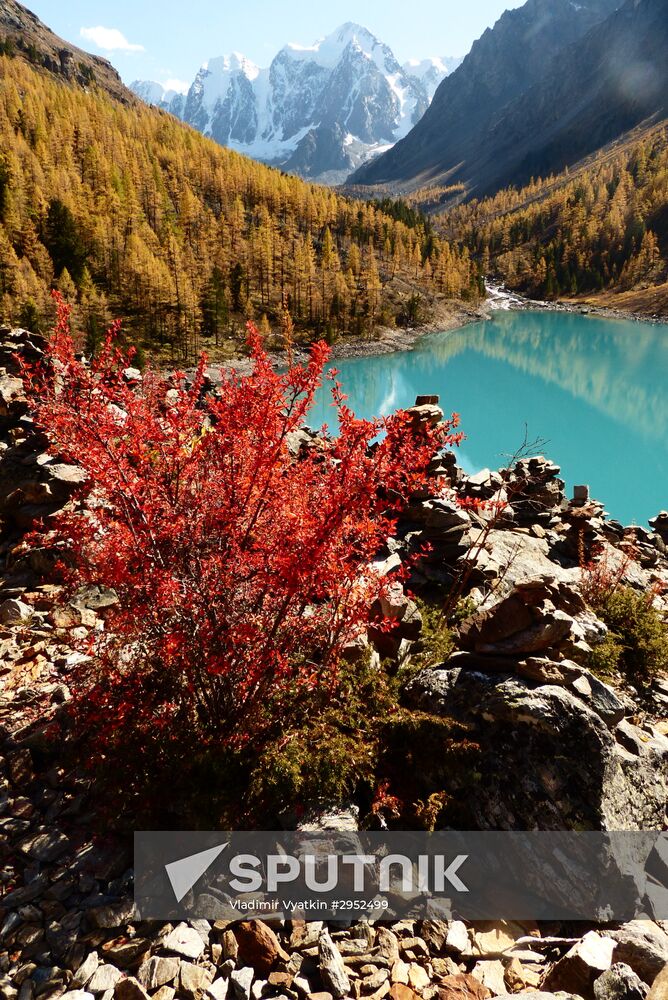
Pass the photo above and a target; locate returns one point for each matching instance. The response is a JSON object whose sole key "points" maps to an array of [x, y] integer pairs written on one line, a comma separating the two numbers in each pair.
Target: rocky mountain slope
{"points": [[550, 83], [317, 111], [23, 34]]}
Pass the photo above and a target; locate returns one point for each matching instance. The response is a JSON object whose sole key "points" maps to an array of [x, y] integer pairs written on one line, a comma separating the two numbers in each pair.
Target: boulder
{"points": [[642, 945], [258, 945], [659, 990], [510, 559], [15, 612], [425, 414], [581, 966], [659, 525], [184, 941], [158, 971], [535, 489], [620, 982], [548, 761], [538, 615]]}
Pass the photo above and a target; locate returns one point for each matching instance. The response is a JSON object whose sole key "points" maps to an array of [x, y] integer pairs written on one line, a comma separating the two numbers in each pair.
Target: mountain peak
{"points": [[327, 51], [318, 110], [234, 62], [350, 31]]}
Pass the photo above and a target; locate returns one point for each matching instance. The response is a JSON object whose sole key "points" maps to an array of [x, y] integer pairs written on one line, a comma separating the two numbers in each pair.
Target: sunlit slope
{"points": [[132, 213]]}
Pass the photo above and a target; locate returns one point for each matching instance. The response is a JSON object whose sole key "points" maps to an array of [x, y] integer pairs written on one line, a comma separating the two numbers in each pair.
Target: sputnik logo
{"points": [[185, 872]]}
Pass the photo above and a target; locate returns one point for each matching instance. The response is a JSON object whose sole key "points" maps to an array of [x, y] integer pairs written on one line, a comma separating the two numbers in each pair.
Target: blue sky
{"points": [[169, 40]]}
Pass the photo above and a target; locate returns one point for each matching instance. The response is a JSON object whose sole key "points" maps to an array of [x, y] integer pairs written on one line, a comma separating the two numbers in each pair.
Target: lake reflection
{"points": [[592, 388]]}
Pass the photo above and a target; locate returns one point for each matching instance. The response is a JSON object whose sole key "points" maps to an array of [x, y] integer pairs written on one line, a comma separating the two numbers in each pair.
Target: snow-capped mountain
{"points": [[319, 111], [430, 72], [155, 93]]}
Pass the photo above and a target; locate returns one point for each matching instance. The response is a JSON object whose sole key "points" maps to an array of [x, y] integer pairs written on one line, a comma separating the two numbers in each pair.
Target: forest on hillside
{"points": [[130, 213], [604, 227]]}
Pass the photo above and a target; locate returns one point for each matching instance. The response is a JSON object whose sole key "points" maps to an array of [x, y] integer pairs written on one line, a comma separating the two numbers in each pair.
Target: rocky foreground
{"points": [[560, 749]]}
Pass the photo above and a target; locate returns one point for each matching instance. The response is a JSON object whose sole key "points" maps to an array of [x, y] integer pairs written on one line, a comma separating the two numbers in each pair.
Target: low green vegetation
{"points": [[637, 646], [436, 641]]}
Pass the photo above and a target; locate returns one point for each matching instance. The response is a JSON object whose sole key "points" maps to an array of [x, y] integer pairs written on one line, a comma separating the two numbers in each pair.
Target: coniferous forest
{"points": [[130, 213], [605, 227]]}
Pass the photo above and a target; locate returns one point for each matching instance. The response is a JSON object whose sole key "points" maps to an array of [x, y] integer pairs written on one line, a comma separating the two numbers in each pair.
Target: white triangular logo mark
{"points": [[184, 873]]}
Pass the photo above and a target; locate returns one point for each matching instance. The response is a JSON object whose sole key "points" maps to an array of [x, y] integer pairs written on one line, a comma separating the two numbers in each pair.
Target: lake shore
{"points": [[500, 297], [446, 316]]}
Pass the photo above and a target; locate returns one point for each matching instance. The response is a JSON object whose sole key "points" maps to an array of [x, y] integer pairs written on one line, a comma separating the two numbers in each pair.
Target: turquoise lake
{"points": [[594, 391]]}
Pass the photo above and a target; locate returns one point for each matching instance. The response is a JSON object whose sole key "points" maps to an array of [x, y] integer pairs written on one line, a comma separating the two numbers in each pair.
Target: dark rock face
{"points": [[550, 83], [549, 760], [43, 48], [235, 118], [33, 484]]}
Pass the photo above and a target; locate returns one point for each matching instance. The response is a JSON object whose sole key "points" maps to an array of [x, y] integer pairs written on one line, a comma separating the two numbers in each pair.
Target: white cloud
{"points": [[109, 39], [180, 86]]}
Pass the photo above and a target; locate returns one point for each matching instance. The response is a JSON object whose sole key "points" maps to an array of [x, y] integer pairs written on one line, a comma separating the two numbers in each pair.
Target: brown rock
{"points": [[164, 993], [332, 969], [418, 977], [399, 973], [659, 990], [258, 945], [445, 967], [462, 987], [401, 992], [20, 767], [381, 992], [435, 933], [157, 972], [491, 975], [229, 945], [125, 951], [388, 945], [129, 989], [280, 979], [496, 939], [548, 672], [376, 979], [194, 979], [519, 976]]}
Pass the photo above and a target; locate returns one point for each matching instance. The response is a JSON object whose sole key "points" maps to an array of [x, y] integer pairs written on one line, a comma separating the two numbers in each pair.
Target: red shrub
{"points": [[242, 572]]}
